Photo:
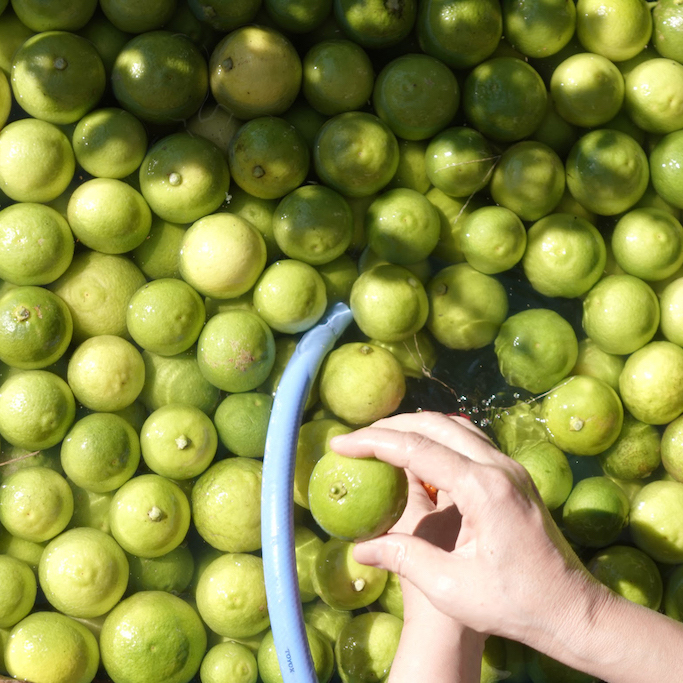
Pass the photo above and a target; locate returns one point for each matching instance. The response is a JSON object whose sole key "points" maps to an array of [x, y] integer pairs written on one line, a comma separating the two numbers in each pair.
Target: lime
{"points": [[565, 255], [357, 498], [355, 153], [229, 661], [184, 178], [178, 441], [555, 132], [538, 29], [636, 452], [493, 239], [671, 449], [35, 328], [374, 24], [251, 351], [583, 415], [648, 243], [171, 379], [665, 161], [149, 515], [319, 647], [13, 458], [36, 409], [412, 167], [171, 572], [54, 15], [36, 504], [36, 161], [536, 349], [132, 17], [337, 77], [338, 276], [13, 33], [100, 452], [107, 39], [416, 95], [37, 244], [226, 505], [91, 510], [649, 383], [165, 316], [231, 596], [259, 212], [655, 521], [152, 637], [402, 226], [617, 29], [505, 99], [361, 383], [313, 224], [224, 15], [587, 90], [592, 360], [306, 120], [467, 307], [19, 592], [57, 76], [215, 124], [459, 161], [290, 296], [620, 314], [389, 303], [255, 71], [344, 583], [83, 572], [549, 469], [672, 595], [21, 549], [366, 647], [461, 33], [666, 17], [106, 373], [528, 179], [298, 17], [306, 547], [326, 619], [222, 255], [268, 157], [313, 442], [109, 216], [160, 77], [242, 423], [49, 646], [109, 143], [595, 512], [607, 171], [452, 212], [417, 354], [97, 288]]}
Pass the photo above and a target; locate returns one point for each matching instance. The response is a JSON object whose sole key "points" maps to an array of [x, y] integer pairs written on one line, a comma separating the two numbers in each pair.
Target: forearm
{"points": [[616, 640], [437, 649]]}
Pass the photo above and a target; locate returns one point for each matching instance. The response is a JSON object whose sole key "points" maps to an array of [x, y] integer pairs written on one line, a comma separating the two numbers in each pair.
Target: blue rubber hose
{"points": [[277, 504]]}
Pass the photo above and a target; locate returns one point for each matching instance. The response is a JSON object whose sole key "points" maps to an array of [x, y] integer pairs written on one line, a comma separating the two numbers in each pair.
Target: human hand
{"points": [[510, 571]]}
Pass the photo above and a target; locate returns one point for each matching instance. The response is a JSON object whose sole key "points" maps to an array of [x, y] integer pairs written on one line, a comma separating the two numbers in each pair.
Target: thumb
{"points": [[408, 556]]}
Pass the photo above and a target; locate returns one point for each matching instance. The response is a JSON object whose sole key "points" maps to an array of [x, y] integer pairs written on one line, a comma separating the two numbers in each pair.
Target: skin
{"points": [[487, 581]]}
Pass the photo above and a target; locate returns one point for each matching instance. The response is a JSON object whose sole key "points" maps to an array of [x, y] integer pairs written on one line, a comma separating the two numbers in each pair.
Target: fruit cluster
{"points": [[494, 186]]}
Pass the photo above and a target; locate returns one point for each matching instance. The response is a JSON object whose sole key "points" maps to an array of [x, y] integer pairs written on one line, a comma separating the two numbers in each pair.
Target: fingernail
{"points": [[368, 553]]}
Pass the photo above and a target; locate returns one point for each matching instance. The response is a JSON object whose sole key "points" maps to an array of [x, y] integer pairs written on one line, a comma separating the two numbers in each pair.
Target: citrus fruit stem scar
{"points": [[576, 425], [182, 442], [337, 490], [156, 514], [175, 179], [358, 585], [21, 313], [61, 63]]}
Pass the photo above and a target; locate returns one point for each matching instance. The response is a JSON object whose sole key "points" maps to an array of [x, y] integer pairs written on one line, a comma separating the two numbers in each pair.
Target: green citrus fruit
{"points": [[538, 29], [83, 572], [665, 160], [226, 505], [592, 360], [648, 383], [583, 415], [160, 77], [326, 619], [37, 244], [636, 452], [100, 452], [67, 650], [338, 276], [165, 316], [133, 17], [374, 24], [565, 255], [36, 504], [231, 596], [224, 15], [549, 469], [229, 661], [412, 167], [666, 18], [57, 76], [171, 572], [536, 349], [242, 423], [624, 301], [467, 307], [216, 124], [152, 637], [54, 15], [19, 592], [149, 515]]}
